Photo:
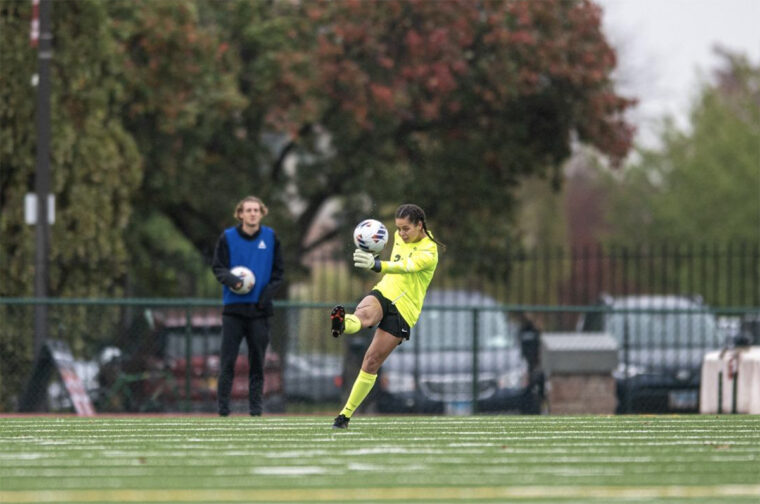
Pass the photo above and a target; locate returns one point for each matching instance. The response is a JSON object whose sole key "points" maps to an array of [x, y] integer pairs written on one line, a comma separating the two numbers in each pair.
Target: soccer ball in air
{"points": [[371, 236], [249, 280]]}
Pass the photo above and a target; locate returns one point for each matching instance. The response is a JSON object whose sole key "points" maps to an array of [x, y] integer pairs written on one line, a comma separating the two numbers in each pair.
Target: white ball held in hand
{"points": [[248, 278]]}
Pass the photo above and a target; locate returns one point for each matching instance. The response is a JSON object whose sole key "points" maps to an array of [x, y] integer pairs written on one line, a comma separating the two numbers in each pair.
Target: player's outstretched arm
{"points": [[365, 260], [419, 260]]}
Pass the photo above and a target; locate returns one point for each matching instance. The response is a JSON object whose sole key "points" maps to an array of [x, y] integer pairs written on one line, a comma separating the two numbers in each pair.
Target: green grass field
{"points": [[544, 459]]}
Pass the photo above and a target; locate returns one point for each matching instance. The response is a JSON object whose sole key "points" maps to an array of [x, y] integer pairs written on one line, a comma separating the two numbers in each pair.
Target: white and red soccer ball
{"points": [[249, 280]]}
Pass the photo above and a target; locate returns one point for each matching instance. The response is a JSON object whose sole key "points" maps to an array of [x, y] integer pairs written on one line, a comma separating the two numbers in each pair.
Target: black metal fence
{"points": [[135, 352], [722, 274], [472, 355]]}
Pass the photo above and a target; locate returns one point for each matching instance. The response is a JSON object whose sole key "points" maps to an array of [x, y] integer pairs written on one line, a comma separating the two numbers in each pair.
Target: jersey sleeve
{"points": [[220, 264], [419, 260]]}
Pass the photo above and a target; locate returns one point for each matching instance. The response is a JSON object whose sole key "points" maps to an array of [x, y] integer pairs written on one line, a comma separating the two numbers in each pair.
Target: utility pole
{"points": [[42, 172]]}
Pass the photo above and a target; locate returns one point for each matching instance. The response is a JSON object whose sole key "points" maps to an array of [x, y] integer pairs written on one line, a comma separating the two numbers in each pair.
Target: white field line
{"points": [[401, 494]]}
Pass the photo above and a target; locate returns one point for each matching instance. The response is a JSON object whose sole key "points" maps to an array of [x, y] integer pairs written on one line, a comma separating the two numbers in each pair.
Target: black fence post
{"points": [[716, 275], [416, 374], [756, 275], [475, 357], [729, 275], [188, 356], [626, 363]]}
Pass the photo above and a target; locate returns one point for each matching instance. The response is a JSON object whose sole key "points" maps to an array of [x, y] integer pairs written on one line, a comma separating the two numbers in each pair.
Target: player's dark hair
{"points": [[416, 215]]}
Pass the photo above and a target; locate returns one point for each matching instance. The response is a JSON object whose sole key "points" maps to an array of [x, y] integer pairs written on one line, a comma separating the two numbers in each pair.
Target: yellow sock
{"points": [[359, 391], [353, 325]]}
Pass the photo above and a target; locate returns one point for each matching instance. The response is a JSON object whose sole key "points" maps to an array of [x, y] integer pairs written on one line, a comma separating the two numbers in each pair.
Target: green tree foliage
{"points": [[357, 106], [165, 113], [95, 168], [447, 104], [700, 192], [702, 185], [180, 80], [252, 153]]}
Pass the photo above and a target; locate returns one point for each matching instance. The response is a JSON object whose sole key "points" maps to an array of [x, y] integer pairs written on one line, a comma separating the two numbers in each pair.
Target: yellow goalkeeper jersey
{"points": [[407, 275]]}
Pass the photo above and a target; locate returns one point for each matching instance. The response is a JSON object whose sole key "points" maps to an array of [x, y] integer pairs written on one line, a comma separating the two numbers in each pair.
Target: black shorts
{"points": [[392, 321]]}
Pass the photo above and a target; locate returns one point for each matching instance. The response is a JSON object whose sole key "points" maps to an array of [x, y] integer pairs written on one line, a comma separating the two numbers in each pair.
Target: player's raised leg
{"points": [[368, 313], [381, 347], [338, 320]]}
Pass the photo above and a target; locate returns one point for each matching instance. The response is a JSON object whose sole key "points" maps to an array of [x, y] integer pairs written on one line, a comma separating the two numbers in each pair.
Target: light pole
{"points": [[42, 173]]}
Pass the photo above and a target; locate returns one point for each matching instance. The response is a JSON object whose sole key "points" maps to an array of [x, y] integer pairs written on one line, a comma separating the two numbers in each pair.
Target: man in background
{"points": [[246, 315]]}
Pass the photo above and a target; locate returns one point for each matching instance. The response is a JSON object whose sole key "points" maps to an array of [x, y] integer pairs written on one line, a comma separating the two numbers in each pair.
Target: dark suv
{"points": [[662, 341], [433, 372]]}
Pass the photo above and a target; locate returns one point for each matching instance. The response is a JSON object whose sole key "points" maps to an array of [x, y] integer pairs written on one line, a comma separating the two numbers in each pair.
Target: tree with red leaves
{"points": [[448, 104]]}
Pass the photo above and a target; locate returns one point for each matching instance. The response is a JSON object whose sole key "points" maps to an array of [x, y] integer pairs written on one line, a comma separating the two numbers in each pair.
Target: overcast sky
{"points": [[665, 48]]}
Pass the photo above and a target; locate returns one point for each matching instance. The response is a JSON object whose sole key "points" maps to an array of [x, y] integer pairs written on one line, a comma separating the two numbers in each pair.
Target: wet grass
{"points": [[695, 459]]}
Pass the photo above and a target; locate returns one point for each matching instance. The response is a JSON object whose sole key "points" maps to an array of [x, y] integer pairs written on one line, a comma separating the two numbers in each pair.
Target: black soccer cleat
{"points": [[337, 319], [341, 422]]}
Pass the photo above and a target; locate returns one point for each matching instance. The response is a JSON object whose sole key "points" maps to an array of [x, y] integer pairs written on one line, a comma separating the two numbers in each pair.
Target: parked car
{"points": [[156, 376], [662, 340], [433, 371], [749, 330], [313, 377]]}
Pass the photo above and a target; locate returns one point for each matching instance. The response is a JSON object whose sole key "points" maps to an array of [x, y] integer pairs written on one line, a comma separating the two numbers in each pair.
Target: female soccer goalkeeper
{"points": [[394, 304]]}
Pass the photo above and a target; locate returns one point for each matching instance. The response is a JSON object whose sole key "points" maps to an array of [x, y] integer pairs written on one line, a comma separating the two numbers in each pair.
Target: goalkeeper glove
{"points": [[365, 260]]}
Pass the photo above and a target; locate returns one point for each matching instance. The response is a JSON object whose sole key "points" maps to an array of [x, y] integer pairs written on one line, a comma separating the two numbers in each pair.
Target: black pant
{"points": [[256, 334]]}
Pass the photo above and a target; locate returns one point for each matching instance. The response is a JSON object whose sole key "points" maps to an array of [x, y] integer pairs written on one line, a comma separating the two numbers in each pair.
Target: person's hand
{"points": [[263, 301], [363, 260]]}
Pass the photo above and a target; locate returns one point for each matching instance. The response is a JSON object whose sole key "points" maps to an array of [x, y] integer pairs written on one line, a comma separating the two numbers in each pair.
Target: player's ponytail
{"points": [[416, 215]]}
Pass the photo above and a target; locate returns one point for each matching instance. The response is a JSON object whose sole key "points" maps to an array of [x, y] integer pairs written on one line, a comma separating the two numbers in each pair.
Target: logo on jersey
{"points": [[262, 245]]}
